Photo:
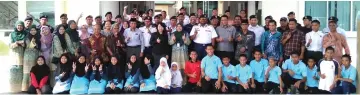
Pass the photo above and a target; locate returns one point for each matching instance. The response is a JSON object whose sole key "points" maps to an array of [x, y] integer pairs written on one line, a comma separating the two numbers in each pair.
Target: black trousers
{"points": [[44, 90], [147, 51], [259, 87], [157, 58], [161, 90], [108, 90], [200, 49], [312, 90], [242, 90], [272, 86], [232, 88], [209, 86], [191, 87], [222, 54], [317, 55], [288, 81], [131, 90]]}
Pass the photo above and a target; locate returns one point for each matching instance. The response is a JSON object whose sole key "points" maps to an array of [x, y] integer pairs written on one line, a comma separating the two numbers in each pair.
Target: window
{"points": [[47, 8], [356, 14], [322, 10], [8, 14]]}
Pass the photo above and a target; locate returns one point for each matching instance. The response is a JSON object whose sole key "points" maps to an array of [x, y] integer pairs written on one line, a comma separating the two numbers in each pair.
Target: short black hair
{"points": [[214, 9], [346, 56], [203, 16], [316, 21], [252, 16], [225, 57], [295, 53], [28, 18], [330, 48], [237, 16], [291, 13], [148, 18], [209, 46], [173, 17], [244, 21], [269, 17], [182, 8], [227, 11], [180, 14], [157, 17], [118, 16], [89, 16], [294, 20], [98, 17], [63, 15], [242, 55], [133, 20], [108, 13], [272, 21], [192, 14], [256, 50], [225, 16]]}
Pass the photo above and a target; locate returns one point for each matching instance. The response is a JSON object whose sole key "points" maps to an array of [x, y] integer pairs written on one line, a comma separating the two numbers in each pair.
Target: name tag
{"points": [[178, 44]]}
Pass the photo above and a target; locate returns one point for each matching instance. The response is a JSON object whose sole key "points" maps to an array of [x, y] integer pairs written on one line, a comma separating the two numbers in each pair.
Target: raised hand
{"points": [[86, 67], [94, 67], [100, 68], [74, 66]]}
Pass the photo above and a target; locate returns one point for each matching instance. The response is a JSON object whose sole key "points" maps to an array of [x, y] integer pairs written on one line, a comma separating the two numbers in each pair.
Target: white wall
{"points": [[109, 6], [277, 11]]}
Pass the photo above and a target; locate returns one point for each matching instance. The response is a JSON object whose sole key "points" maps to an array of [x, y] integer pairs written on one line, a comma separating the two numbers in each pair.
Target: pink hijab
{"points": [[46, 39]]}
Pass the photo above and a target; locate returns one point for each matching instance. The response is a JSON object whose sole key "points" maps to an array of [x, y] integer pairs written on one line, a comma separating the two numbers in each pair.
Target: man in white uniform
{"points": [[147, 30]]}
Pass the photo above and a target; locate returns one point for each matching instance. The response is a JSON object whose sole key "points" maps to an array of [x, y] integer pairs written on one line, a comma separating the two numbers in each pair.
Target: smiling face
{"points": [[63, 60], [81, 59], [133, 59], [174, 67], [40, 61], [114, 60], [33, 31], [61, 30], [19, 27], [179, 27], [146, 61], [97, 61]]}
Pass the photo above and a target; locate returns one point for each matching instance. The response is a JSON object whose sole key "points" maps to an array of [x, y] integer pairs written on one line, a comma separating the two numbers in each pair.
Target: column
{"points": [[22, 13], [178, 5], [109, 6], [358, 57], [220, 8], [194, 7], [60, 8], [251, 8]]}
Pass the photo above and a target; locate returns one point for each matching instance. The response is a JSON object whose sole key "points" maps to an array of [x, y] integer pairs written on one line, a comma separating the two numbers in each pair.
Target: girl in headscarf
{"points": [[61, 44], [73, 33], [115, 74], [159, 41], [176, 78], [40, 77], [46, 46], [98, 77], [132, 75], [17, 52], [80, 83], [163, 77], [147, 76], [64, 76], [84, 34], [32, 50]]}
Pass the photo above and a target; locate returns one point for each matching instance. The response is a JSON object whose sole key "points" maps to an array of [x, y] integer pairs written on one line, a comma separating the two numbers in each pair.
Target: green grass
{"points": [[4, 49]]}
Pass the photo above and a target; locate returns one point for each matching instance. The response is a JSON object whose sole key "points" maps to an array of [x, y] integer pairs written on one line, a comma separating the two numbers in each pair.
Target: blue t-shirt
{"points": [[274, 74], [310, 81], [211, 65], [243, 73], [349, 73], [228, 71], [258, 69], [299, 69]]}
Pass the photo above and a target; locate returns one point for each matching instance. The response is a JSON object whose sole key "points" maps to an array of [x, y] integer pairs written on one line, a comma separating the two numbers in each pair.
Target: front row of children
{"points": [[210, 75]]}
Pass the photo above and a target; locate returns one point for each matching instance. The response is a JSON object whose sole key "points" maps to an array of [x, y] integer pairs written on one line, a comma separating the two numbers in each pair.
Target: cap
{"points": [[307, 17], [28, 18], [269, 17], [118, 16], [214, 17], [148, 18], [108, 13], [291, 13], [252, 16], [333, 18], [244, 21], [43, 16], [283, 19], [63, 15]]}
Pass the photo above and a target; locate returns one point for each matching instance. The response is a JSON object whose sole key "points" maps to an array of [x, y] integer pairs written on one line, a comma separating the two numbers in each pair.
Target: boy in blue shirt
{"points": [[211, 73], [294, 73], [229, 74], [273, 79], [244, 75], [312, 80], [258, 66], [348, 77]]}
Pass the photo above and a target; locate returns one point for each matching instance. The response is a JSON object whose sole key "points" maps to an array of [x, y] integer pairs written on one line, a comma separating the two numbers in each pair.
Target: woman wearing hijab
{"points": [[98, 77], [64, 76], [132, 73], [61, 44], [176, 78], [32, 50], [73, 33], [147, 76], [46, 46], [84, 34], [163, 77], [80, 83], [40, 77], [115, 74], [159, 41], [17, 52]]}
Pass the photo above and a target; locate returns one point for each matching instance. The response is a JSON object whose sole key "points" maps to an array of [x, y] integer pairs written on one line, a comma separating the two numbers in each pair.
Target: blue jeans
{"points": [[346, 88], [175, 90], [200, 50]]}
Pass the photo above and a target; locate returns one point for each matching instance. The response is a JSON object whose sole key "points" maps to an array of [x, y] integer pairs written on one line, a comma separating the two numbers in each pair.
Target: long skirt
{"points": [[30, 56], [97, 87], [150, 84], [80, 85]]}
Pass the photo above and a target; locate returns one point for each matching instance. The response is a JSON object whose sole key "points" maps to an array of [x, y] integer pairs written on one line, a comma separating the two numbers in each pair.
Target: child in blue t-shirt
{"points": [[312, 80], [348, 77], [244, 76], [258, 66], [273, 79]]}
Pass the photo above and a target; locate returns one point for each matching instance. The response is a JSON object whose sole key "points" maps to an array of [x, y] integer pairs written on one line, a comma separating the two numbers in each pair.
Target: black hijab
{"points": [[40, 71], [114, 71], [144, 70], [65, 67], [37, 37], [73, 33], [80, 67], [97, 72], [135, 66], [61, 37]]}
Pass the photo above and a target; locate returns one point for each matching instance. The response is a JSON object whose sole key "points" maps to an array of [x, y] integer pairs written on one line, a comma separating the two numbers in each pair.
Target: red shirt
{"points": [[193, 67]]}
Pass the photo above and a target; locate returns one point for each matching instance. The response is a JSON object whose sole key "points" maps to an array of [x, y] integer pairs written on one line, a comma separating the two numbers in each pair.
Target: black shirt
{"points": [[266, 28], [282, 30], [163, 46], [305, 29]]}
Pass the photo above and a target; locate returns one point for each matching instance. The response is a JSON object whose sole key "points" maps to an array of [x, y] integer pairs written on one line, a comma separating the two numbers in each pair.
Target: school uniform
{"points": [[231, 84], [203, 39], [258, 70], [62, 87], [346, 87], [330, 70], [97, 82], [273, 81], [146, 32], [149, 80], [132, 78], [244, 74], [300, 71], [210, 64], [163, 79], [314, 49], [311, 83]]}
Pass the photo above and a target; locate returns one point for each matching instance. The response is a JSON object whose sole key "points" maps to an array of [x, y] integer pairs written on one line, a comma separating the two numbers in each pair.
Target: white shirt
{"points": [[173, 28], [128, 17], [205, 34], [338, 29], [328, 69], [316, 40], [186, 20], [147, 35], [258, 30], [163, 79]]}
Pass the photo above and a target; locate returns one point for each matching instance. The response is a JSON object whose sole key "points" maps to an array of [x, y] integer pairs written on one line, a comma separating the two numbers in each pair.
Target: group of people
{"points": [[148, 53]]}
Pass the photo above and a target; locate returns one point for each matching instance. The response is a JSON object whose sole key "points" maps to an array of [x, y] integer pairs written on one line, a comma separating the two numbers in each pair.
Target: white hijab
{"points": [[165, 78], [176, 77]]}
